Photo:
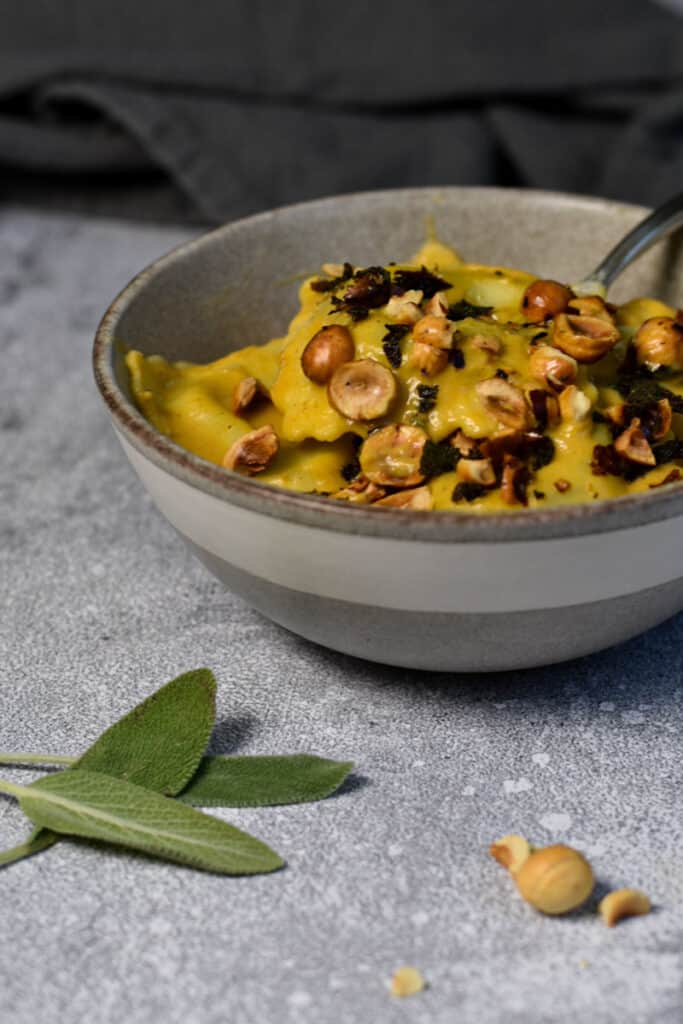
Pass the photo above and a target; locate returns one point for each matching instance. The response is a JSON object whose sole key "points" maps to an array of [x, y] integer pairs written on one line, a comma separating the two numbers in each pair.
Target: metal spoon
{"points": [[662, 221]]}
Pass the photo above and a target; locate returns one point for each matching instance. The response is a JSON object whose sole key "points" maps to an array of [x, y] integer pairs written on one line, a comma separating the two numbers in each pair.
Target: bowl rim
{"points": [[599, 516]]}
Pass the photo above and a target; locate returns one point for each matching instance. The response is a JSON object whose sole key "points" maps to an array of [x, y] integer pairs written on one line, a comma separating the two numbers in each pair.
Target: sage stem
{"points": [[23, 758]]}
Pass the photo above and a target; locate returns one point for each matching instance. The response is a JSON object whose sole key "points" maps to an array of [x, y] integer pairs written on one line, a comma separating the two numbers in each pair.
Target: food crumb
{"points": [[584, 963], [406, 981]]}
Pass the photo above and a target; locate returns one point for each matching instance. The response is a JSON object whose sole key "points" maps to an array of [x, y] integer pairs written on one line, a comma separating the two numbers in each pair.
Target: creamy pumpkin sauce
{"points": [[491, 339]]}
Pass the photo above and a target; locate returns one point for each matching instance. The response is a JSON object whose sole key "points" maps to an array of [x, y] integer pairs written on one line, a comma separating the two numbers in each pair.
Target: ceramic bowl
{"points": [[426, 590]]}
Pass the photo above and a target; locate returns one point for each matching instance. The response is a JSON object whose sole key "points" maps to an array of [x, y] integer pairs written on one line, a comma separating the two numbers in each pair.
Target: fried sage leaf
{"points": [[264, 781], [91, 805]]}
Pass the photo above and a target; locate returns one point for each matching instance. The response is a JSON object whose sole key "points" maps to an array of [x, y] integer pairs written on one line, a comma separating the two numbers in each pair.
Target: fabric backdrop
{"points": [[247, 104]]}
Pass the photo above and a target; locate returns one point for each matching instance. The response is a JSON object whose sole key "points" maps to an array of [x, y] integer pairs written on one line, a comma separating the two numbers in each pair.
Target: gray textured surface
{"points": [[101, 603]]}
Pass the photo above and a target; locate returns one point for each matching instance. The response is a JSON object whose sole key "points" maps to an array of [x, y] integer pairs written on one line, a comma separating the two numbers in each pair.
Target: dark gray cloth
{"points": [[246, 104]]}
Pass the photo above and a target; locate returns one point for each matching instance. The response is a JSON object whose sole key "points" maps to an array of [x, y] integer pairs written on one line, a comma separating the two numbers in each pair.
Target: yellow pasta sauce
{"points": [[317, 445]]}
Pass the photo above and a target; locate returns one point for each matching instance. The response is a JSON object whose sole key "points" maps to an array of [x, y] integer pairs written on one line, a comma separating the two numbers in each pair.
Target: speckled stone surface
{"points": [[100, 603]]}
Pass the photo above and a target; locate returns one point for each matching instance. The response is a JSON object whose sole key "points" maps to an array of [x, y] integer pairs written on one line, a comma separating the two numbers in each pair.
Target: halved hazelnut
{"points": [[248, 391], [487, 343], [437, 305], [574, 404], [553, 367], [511, 851], [362, 390], [659, 342], [428, 360], [416, 498], [477, 471], [623, 903], [586, 338], [391, 456], [434, 330], [361, 492], [661, 419], [328, 349], [633, 445], [253, 452], [591, 305], [544, 299], [465, 445], [405, 308], [515, 480], [505, 402]]}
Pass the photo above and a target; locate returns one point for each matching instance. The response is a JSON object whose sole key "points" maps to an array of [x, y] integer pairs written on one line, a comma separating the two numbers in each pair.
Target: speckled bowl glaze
{"points": [[427, 590]]}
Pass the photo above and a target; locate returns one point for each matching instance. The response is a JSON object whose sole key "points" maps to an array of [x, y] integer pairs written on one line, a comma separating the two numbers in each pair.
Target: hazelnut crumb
{"points": [[406, 981]]}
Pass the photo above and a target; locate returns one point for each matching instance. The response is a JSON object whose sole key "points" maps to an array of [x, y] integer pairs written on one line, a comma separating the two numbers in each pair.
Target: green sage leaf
{"points": [[159, 744], [263, 781], [37, 841], [96, 806]]}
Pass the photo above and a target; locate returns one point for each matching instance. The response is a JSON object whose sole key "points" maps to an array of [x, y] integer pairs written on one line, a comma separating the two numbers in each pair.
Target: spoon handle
{"points": [[665, 219]]}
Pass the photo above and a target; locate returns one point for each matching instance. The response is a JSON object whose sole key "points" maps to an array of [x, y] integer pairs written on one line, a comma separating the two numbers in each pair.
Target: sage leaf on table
{"points": [[147, 747], [160, 743], [251, 781], [101, 807]]}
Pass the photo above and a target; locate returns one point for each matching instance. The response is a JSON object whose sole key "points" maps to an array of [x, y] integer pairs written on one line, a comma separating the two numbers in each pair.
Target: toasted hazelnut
{"points": [[514, 482], [248, 391], [405, 308], [615, 414], [465, 445], [662, 419], [553, 367], [361, 492], [591, 305], [511, 851], [562, 485], [487, 343], [437, 305], [326, 351], [633, 445], [659, 342], [477, 471], [362, 390], [428, 360], [434, 330], [544, 299], [505, 402], [545, 406], [586, 338], [555, 879], [391, 456], [623, 903], [416, 498], [406, 981], [333, 269], [253, 452], [574, 404]]}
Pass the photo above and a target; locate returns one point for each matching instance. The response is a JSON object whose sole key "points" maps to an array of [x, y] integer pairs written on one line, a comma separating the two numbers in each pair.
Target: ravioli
{"points": [[468, 388]]}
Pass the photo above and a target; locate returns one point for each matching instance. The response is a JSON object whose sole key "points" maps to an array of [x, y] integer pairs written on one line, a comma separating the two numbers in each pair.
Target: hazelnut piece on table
{"points": [[623, 903], [253, 452], [406, 981], [659, 342], [511, 851], [544, 299], [327, 350], [585, 338], [362, 390], [392, 456]]}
